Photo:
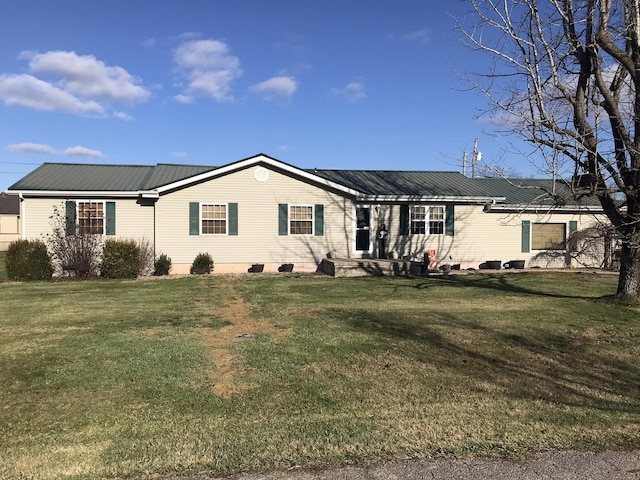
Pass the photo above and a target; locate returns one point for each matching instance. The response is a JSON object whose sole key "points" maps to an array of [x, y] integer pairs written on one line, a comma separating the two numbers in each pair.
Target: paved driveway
{"points": [[568, 465]]}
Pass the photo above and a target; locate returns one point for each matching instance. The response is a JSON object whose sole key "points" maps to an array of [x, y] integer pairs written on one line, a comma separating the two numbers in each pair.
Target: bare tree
{"points": [[73, 251], [565, 76]]}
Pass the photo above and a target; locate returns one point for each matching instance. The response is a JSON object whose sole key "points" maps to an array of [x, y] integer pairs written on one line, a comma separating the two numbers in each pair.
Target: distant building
{"points": [[9, 219]]}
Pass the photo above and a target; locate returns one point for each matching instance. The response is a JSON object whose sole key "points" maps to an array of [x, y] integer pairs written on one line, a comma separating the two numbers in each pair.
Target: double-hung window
{"points": [[426, 219], [301, 219], [213, 218], [418, 219], [91, 218], [436, 220]]}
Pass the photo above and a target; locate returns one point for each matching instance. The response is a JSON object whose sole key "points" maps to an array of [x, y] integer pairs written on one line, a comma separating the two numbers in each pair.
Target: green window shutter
{"points": [[283, 219], [70, 216], [449, 216], [573, 227], [233, 219], [194, 218], [319, 217], [110, 220], [404, 219], [526, 236]]}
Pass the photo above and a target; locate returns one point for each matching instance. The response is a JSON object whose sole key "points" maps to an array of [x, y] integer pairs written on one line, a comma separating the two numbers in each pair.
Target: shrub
{"points": [[146, 264], [203, 263], [162, 265], [73, 251], [120, 259], [28, 260]]}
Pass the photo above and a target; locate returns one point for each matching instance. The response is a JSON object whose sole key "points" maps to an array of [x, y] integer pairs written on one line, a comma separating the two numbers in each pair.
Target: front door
{"points": [[363, 229]]}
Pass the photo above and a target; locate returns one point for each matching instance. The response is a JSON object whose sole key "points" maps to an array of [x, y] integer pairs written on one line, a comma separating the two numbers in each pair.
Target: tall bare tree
{"points": [[565, 76]]}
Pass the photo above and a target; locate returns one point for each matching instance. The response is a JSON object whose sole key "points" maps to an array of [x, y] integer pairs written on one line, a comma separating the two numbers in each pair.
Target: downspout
{"points": [[154, 229], [22, 219]]}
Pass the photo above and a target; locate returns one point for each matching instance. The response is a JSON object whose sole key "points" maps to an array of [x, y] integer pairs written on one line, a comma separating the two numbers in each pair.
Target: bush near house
{"points": [[28, 260], [202, 264], [162, 265], [120, 259]]}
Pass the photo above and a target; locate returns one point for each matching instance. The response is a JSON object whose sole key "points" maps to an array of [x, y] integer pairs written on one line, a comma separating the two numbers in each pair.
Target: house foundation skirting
{"points": [[224, 268]]}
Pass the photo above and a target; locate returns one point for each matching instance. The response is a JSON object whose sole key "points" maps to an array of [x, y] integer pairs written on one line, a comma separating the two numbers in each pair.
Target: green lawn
{"points": [[3, 265], [219, 374]]}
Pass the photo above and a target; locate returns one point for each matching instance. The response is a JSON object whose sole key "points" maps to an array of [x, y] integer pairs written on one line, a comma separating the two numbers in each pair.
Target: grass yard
{"points": [[3, 265], [221, 374]]}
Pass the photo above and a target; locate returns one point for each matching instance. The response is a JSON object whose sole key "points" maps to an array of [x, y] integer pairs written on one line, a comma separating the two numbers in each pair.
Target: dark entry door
{"points": [[363, 229]]}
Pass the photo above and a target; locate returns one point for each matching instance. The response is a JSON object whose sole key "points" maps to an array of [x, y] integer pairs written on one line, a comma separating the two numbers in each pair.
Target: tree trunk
{"points": [[629, 280]]}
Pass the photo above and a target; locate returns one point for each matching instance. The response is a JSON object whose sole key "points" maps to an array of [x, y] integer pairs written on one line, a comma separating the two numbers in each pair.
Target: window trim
{"points": [[79, 218], [201, 219], [532, 233], [312, 207], [442, 220], [427, 219]]}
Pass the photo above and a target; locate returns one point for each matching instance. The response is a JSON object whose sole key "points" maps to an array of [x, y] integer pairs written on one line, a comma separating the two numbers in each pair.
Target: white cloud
{"points": [[88, 77], [149, 43], [31, 148], [28, 91], [77, 84], [178, 154], [276, 88], [352, 92], [421, 37], [79, 151], [183, 98], [122, 116], [209, 69]]}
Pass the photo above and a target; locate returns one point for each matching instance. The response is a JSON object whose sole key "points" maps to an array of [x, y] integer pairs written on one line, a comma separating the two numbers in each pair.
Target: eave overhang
{"points": [[470, 200], [514, 208], [78, 193]]}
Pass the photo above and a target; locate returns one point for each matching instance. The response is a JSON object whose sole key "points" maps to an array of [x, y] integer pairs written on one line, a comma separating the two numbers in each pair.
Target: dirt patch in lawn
{"points": [[229, 373]]}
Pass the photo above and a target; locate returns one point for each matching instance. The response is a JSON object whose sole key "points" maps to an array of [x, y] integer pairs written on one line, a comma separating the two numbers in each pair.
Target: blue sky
{"points": [[328, 84]]}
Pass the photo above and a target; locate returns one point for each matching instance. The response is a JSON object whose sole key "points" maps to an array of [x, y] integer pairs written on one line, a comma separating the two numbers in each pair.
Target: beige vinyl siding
{"points": [[133, 221], [258, 240], [401, 244], [487, 236], [478, 236]]}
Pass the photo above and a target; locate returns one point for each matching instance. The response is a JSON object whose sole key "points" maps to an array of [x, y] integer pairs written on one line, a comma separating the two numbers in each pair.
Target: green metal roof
{"points": [[528, 191], [164, 174], [104, 178], [72, 177], [406, 183]]}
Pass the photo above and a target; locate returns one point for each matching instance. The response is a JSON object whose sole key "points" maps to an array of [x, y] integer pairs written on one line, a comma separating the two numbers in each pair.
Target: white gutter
{"points": [[543, 208], [74, 193], [423, 198], [85, 193]]}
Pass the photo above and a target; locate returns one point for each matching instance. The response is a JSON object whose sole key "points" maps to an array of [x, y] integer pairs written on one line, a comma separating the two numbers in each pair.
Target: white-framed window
{"points": [[301, 219], [418, 218], [213, 218], [91, 217], [436, 220], [548, 236], [426, 219]]}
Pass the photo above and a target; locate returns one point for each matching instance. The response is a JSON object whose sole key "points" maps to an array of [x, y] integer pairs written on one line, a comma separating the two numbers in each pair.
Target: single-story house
{"points": [[262, 210], [9, 220]]}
